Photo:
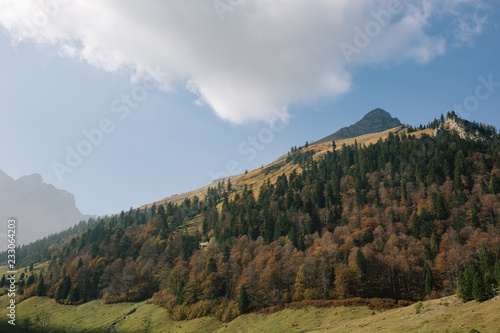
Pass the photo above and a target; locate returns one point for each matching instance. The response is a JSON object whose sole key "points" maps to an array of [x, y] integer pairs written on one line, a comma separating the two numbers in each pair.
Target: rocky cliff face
{"points": [[375, 121], [39, 208]]}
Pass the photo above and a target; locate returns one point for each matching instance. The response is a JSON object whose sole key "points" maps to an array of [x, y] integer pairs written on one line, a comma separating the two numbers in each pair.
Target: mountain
{"points": [[39, 208], [395, 217], [375, 121]]}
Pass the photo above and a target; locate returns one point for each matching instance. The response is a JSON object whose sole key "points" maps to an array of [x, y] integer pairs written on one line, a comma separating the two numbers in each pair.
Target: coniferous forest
{"points": [[406, 218]]}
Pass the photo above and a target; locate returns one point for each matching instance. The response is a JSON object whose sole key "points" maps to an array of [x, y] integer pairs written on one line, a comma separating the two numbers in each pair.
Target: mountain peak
{"points": [[41, 208], [377, 120], [35, 178], [378, 113]]}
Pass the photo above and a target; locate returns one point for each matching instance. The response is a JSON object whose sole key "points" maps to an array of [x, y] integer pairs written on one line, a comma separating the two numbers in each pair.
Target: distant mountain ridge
{"points": [[375, 121], [40, 208]]}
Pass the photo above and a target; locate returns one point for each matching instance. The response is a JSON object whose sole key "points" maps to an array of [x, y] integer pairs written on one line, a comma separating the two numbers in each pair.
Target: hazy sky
{"points": [[126, 102]]}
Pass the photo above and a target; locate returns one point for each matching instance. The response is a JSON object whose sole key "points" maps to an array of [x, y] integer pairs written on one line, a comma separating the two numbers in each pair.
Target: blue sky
{"points": [[209, 76]]}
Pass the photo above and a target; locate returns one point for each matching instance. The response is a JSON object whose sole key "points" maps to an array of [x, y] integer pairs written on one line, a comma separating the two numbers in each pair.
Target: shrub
{"points": [[418, 306]]}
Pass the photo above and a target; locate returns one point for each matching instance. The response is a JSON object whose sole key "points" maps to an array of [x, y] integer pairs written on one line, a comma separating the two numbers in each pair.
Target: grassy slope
{"points": [[443, 315]]}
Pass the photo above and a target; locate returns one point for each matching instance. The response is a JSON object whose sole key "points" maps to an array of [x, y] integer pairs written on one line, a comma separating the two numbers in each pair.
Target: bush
{"points": [[418, 306]]}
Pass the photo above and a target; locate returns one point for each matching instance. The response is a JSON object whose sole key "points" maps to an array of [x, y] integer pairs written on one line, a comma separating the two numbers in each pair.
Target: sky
{"points": [[123, 103]]}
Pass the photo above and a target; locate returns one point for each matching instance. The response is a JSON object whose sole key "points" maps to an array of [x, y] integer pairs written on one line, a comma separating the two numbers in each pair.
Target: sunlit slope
{"points": [[441, 315], [254, 179]]}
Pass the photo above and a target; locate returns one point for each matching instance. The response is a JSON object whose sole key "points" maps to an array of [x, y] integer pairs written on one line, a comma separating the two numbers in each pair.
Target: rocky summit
{"points": [[375, 121]]}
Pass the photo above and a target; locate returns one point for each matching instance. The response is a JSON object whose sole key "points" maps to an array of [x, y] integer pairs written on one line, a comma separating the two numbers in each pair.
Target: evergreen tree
{"points": [[362, 273], [63, 289], [243, 301], [428, 279], [211, 266], [74, 295], [464, 288], [180, 293], [31, 280], [3, 281], [368, 236], [434, 245], [41, 289], [495, 184], [87, 289], [22, 284], [497, 273], [489, 283], [479, 288]]}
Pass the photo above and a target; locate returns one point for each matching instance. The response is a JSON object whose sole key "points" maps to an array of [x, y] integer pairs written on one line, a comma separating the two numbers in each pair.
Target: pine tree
{"points": [[87, 289], [74, 295], [489, 283], [428, 279], [21, 287], [63, 289], [41, 288], [434, 245], [211, 266], [497, 273], [495, 184], [3, 281], [243, 301], [31, 280], [479, 287], [362, 273], [180, 293], [464, 289]]}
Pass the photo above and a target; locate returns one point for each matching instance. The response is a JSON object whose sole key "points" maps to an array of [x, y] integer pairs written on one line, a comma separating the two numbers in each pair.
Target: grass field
{"points": [[442, 315]]}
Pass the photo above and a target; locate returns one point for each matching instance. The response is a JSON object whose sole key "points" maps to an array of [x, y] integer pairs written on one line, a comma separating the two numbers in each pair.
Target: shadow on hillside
{"points": [[6, 327]]}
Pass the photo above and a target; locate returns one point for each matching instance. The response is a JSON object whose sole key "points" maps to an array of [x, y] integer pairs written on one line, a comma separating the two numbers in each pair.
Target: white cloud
{"points": [[263, 55]]}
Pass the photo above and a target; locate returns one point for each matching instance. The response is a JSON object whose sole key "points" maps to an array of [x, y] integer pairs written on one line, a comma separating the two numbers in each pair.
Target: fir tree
{"points": [[243, 301], [41, 289], [497, 273], [74, 295], [479, 287], [22, 284], [434, 245], [211, 266], [31, 280], [428, 279], [63, 289], [464, 289], [362, 274]]}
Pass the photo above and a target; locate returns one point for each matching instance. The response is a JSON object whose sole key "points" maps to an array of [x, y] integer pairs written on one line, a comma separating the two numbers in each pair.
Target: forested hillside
{"points": [[406, 218]]}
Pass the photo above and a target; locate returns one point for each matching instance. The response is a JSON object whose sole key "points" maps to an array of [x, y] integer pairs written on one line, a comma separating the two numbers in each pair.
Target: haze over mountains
{"points": [[40, 208]]}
